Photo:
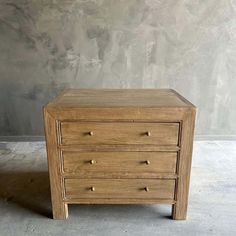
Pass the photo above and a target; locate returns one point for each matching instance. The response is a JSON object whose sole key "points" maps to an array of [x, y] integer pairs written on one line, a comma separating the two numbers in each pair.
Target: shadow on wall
{"points": [[29, 190]]}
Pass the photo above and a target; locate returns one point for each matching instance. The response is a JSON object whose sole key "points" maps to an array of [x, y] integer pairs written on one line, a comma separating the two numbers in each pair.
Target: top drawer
{"points": [[119, 133]]}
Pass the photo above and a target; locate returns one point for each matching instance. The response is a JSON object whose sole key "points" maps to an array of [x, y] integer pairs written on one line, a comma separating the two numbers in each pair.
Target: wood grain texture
{"points": [[119, 148], [118, 114], [119, 133], [75, 98], [179, 210], [117, 143], [107, 162], [119, 201], [119, 175], [59, 208], [119, 188]]}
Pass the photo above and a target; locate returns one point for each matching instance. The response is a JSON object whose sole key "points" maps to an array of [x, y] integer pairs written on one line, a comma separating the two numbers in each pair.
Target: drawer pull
{"points": [[91, 133], [92, 189], [148, 133], [92, 162], [146, 189], [147, 162]]}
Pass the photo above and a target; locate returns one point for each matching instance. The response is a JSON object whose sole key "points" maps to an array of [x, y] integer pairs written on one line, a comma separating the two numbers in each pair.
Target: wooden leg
{"points": [[60, 211], [178, 212]]}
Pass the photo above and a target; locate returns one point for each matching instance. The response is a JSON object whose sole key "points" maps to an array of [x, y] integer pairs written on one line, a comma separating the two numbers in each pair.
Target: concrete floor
{"points": [[25, 207]]}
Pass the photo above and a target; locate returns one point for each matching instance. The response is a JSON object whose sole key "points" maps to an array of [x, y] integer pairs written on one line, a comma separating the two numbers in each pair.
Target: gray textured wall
{"points": [[48, 45]]}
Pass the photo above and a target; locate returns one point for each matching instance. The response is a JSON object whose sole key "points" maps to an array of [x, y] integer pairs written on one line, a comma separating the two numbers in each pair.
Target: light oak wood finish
{"points": [[119, 200], [60, 208], [141, 162], [179, 210], [119, 133], [119, 147], [120, 188]]}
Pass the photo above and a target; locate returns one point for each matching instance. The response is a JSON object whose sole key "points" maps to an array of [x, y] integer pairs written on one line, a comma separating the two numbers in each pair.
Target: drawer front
{"points": [[80, 162], [119, 188], [119, 133]]}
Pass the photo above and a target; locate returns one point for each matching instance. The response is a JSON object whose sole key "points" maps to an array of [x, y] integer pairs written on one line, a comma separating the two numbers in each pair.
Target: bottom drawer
{"points": [[119, 188]]}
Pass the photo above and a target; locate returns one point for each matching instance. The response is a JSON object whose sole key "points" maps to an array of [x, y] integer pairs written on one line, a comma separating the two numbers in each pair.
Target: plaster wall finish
{"points": [[49, 45]]}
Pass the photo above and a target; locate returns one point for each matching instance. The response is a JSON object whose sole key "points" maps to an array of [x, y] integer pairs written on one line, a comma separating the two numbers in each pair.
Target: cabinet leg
{"points": [[60, 211], [178, 212]]}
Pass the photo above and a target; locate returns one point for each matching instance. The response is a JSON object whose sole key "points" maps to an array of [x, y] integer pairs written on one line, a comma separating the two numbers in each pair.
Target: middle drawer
{"points": [[159, 162]]}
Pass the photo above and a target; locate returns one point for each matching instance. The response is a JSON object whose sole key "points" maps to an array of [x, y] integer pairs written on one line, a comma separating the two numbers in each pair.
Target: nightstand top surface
{"points": [[105, 98]]}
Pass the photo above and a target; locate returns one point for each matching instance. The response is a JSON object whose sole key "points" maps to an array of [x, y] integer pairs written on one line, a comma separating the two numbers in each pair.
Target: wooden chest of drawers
{"points": [[119, 147]]}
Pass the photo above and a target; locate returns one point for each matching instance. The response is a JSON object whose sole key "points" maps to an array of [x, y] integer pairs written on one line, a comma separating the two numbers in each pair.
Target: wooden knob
{"points": [[91, 133], [92, 189], [147, 162], [92, 162], [146, 189], [148, 133]]}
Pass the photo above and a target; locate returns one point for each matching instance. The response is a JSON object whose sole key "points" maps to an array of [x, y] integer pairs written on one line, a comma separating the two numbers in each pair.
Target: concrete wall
{"points": [[48, 45]]}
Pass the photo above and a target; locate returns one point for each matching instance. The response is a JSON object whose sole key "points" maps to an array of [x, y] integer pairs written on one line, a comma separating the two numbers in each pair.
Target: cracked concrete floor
{"points": [[25, 207]]}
